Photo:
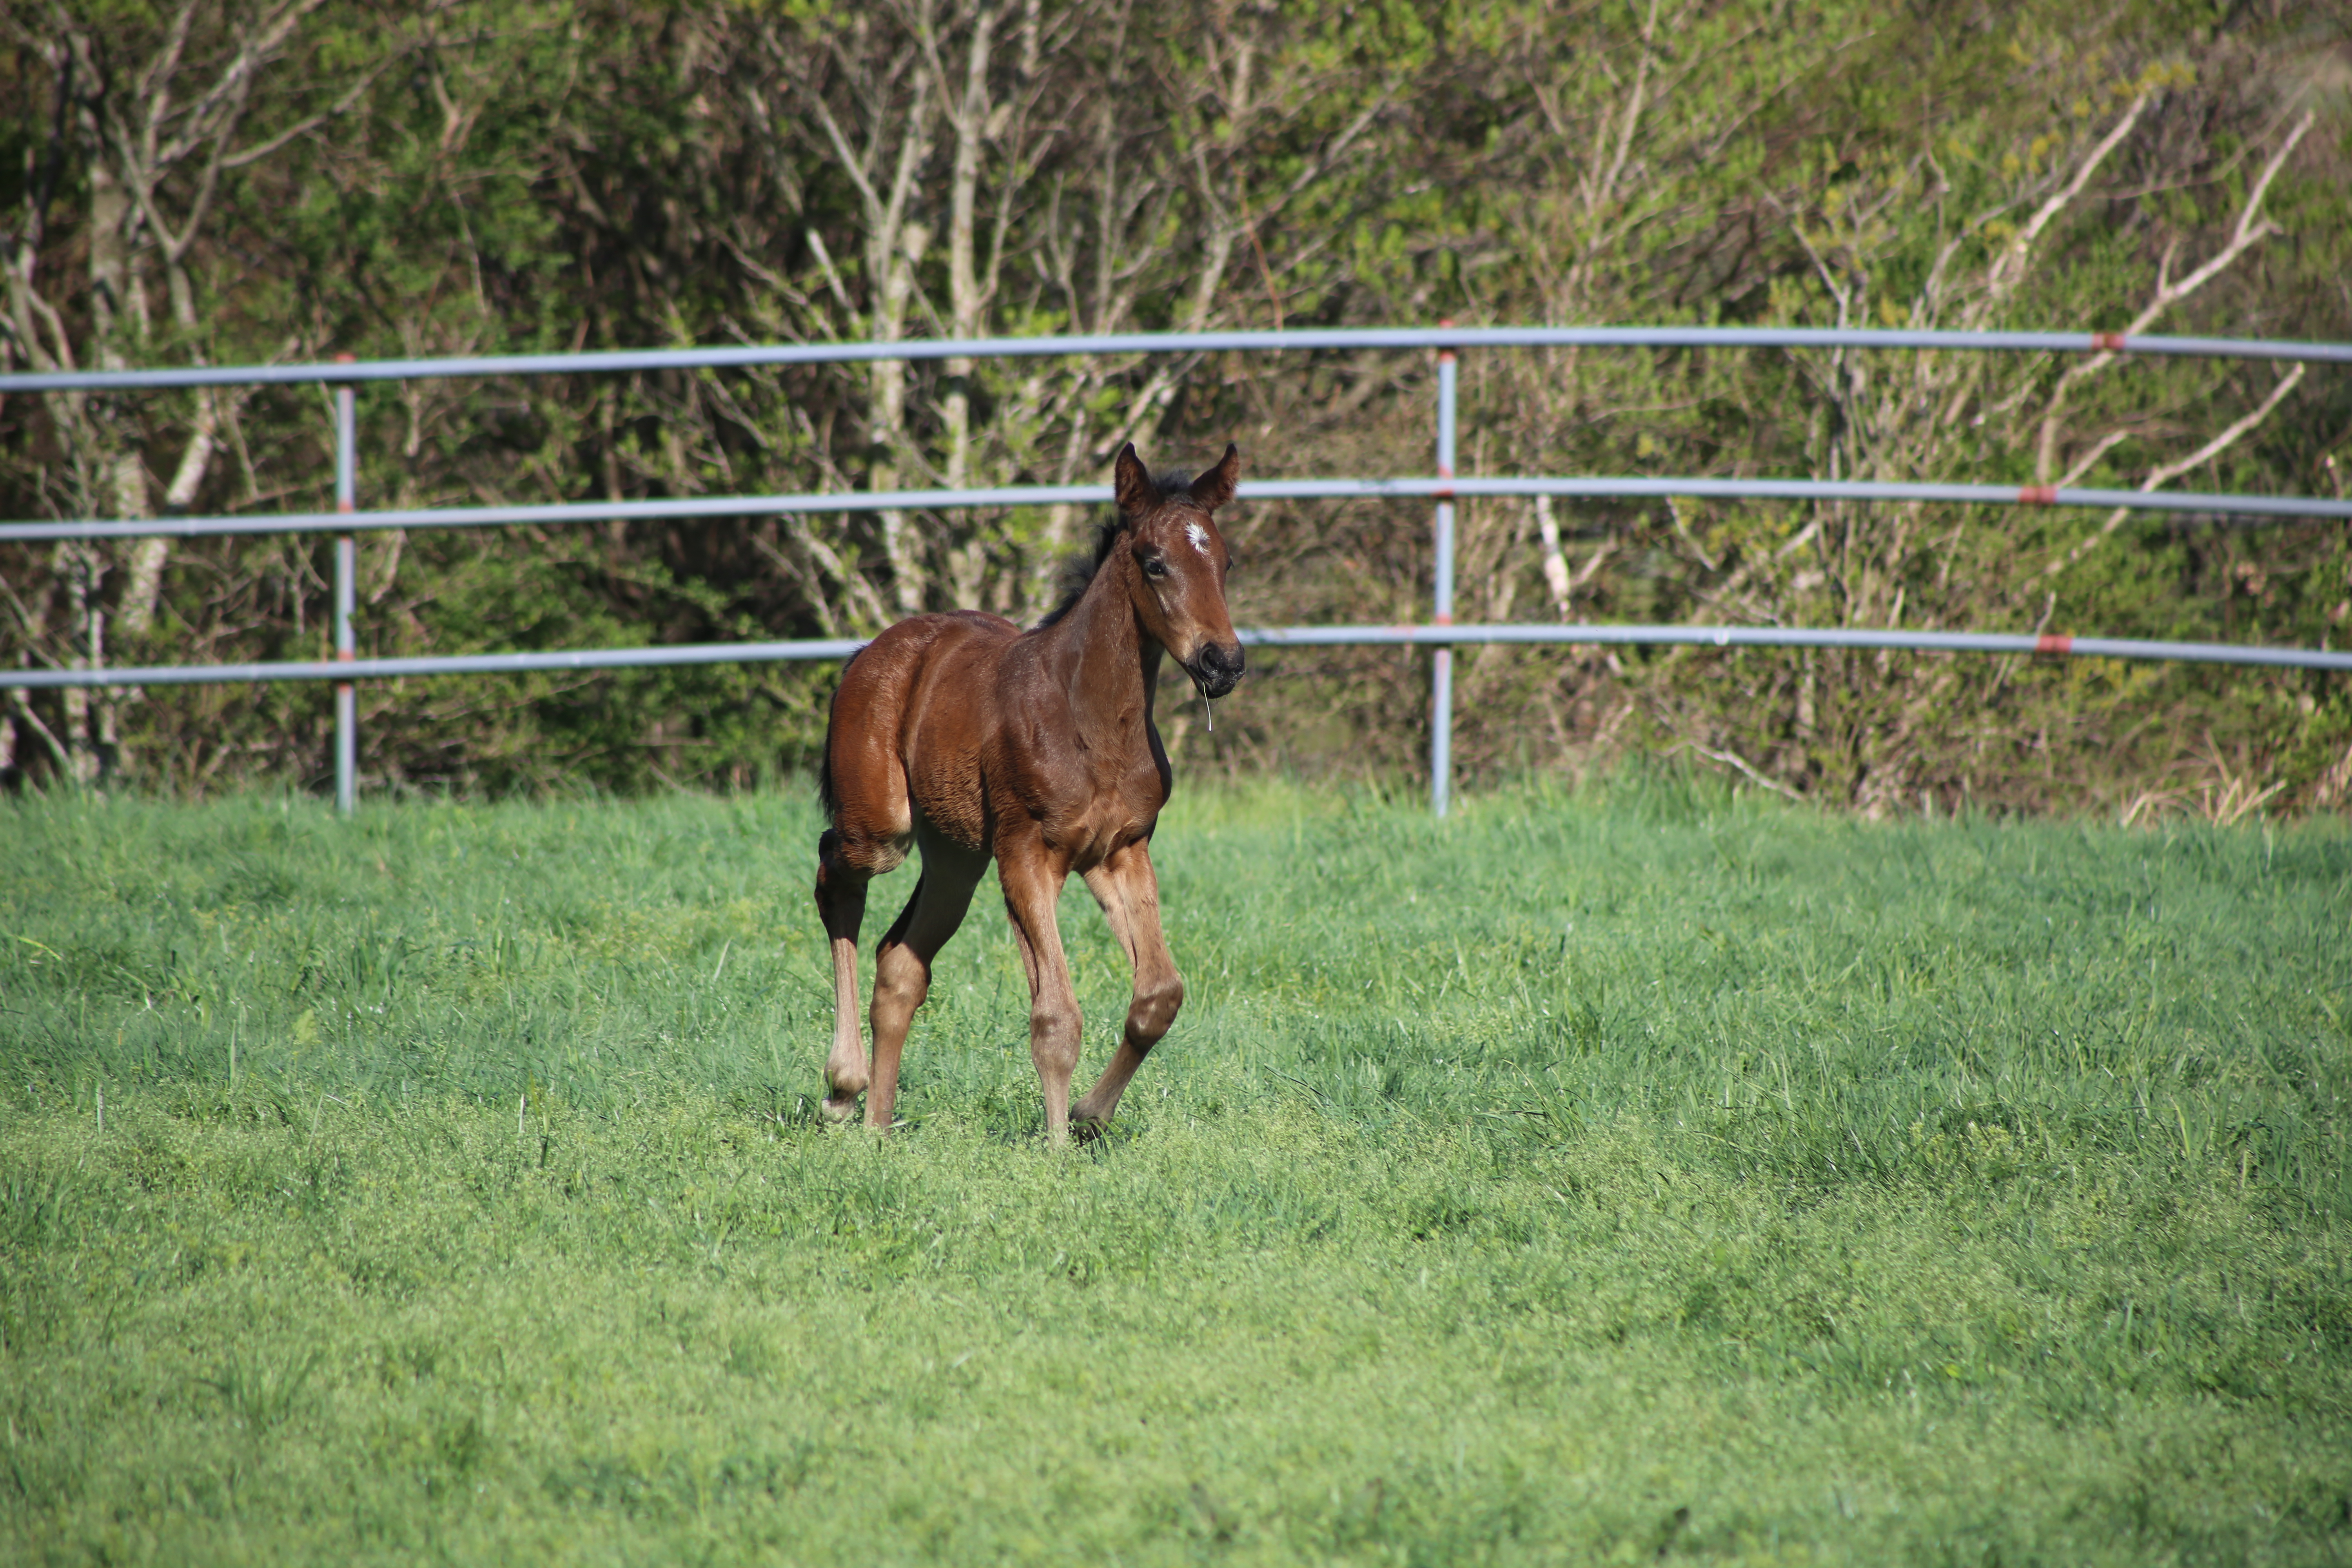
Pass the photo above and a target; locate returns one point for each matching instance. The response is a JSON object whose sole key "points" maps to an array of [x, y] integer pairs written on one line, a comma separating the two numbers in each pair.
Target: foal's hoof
{"points": [[837, 1107], [1086, 1130]]}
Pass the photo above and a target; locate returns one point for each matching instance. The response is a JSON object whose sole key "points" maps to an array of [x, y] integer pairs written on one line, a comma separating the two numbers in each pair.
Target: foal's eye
{"points": [[1154, 566]]}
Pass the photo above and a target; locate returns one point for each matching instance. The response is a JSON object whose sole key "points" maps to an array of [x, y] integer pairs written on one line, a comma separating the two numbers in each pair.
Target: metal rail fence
{"points": [[1441, 635]]}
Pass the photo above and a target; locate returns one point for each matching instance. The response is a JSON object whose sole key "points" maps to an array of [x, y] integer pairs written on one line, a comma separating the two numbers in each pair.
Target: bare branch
{"points": [[851, 164], [2010, 266], [235, 81], [1735, 760], [59, 756], [2171, 471], [1555, 564], [2249, 230], [2084, 464], [155, 81], [1632, 106], [339, 108], [832, 276]]}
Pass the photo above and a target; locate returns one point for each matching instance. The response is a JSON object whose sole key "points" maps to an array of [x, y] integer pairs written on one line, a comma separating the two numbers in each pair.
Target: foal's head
{"points": [[1180, 561]]}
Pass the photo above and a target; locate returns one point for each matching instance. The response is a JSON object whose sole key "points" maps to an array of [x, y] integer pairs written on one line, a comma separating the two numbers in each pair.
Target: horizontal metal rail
{"points": [[738, 356], [449, 664], [1444, 488], [1256, 637], [1806, 636], [2309, 507]]}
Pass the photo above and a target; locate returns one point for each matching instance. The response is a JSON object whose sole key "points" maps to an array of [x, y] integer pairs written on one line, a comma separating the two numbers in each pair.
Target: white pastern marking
{"points": [[1198, 535]]}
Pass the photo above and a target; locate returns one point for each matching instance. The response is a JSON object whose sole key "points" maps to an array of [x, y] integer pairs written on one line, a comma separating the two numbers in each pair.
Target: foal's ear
{"points": [[1215, 488], [1131, 487]]}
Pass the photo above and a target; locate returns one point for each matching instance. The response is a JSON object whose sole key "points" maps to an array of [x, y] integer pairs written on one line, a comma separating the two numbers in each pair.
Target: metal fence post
{"points": [[347, 749], [1441, 726]]}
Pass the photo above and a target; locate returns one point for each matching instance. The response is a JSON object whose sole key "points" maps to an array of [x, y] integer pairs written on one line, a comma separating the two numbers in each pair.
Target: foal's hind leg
{"points": [[1129, 892], [841, 902], [902, 965]]}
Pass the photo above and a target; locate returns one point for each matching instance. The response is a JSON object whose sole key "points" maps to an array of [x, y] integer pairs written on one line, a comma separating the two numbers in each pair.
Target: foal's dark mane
{"points": [[1077, 571]]}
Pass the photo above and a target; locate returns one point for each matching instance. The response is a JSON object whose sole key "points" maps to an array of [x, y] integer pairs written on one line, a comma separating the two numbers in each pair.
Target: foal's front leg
{"points": [[1128, 892], [1032, 874]]}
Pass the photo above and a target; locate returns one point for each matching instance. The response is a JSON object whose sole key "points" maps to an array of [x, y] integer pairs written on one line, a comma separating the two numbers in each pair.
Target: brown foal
{"points": [[969, 738]]}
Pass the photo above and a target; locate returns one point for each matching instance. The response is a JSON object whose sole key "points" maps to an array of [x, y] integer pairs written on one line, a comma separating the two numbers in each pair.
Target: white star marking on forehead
{"points": [[1198, 535]]}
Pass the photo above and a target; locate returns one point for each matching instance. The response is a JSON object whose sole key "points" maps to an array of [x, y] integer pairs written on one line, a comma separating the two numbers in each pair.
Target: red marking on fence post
{"points": [[2054, 642], [2107, 343], [2037, 494]]}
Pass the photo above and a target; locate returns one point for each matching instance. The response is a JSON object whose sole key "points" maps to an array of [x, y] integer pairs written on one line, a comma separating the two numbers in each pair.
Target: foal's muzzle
{"points": [[1217, 670]]}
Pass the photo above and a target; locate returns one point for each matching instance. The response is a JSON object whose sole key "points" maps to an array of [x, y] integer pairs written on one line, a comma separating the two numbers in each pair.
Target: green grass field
{"points": [[1645, 1174]]}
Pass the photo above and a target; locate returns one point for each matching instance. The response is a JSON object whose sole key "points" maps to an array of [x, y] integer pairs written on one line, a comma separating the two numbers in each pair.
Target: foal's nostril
{"points": [[1218, 668]]}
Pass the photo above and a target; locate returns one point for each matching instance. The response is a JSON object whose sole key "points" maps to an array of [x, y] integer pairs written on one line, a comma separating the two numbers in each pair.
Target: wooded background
{"points": [[232, 184]]}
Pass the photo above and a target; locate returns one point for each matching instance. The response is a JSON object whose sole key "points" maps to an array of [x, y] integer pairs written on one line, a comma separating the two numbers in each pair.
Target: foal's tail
{"points": [[827, 798], [826, 795]]}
